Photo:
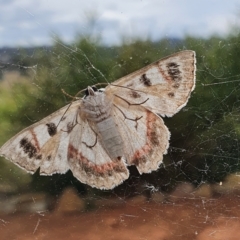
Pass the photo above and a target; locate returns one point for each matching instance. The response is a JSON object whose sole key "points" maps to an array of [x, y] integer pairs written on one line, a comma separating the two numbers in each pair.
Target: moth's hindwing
{"points": [[144, 134]]}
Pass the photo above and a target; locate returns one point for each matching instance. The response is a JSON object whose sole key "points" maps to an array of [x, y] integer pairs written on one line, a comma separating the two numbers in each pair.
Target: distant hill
{"points": [[10, 58]]}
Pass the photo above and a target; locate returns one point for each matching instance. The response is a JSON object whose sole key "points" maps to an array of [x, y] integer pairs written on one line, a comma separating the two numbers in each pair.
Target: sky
{"points": [[35, 23]]}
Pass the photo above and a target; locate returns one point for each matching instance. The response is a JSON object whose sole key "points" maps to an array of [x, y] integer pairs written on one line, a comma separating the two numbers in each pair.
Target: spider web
{"points": [[195, 192]]}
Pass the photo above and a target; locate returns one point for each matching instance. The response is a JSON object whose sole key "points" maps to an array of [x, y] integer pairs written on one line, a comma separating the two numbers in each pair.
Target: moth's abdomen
{"points": [[110, 137], [97, 109]]}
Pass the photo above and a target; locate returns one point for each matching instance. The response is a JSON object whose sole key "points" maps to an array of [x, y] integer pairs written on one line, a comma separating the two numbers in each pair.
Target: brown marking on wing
{"points": [[172, 74], [152, 140], [129, 85], [39, 157], [145, 80], [171, 94], [70, 126], [176, 85], [164, 74], [52, 129], [90, 168], [134, 94], [29, 148], [36, 143]]}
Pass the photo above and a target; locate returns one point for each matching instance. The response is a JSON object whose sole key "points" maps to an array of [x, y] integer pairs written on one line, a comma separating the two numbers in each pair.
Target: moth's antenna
{"points": [[64, 113], [73, 98], [127, 88], [68, 95]]}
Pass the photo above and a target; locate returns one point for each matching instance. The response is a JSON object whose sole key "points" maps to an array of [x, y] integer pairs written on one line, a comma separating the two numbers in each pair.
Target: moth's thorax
{"points": [[96, 107]]}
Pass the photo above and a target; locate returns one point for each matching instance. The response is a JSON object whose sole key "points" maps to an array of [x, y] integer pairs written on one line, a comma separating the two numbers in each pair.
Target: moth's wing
{"points": [[42, 144], [164, 87], [89, 161], [144, 134]]}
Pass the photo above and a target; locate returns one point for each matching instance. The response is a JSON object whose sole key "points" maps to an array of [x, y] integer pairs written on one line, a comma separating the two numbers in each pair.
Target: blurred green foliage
{"points": [[205, 135]]}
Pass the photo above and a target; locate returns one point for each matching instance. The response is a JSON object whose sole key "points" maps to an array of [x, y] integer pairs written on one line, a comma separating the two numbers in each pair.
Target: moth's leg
{"points": [[131, 119], [91, 146], [131, 104], [73, 99], [71, 125]]}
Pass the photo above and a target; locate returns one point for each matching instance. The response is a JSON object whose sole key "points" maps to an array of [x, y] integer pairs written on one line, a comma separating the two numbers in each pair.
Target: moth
{"points": [[99, 135]]}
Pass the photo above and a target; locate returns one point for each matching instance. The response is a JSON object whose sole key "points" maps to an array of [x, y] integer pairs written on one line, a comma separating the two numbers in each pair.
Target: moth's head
{"points": [[92, 95], [92, 91]]}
